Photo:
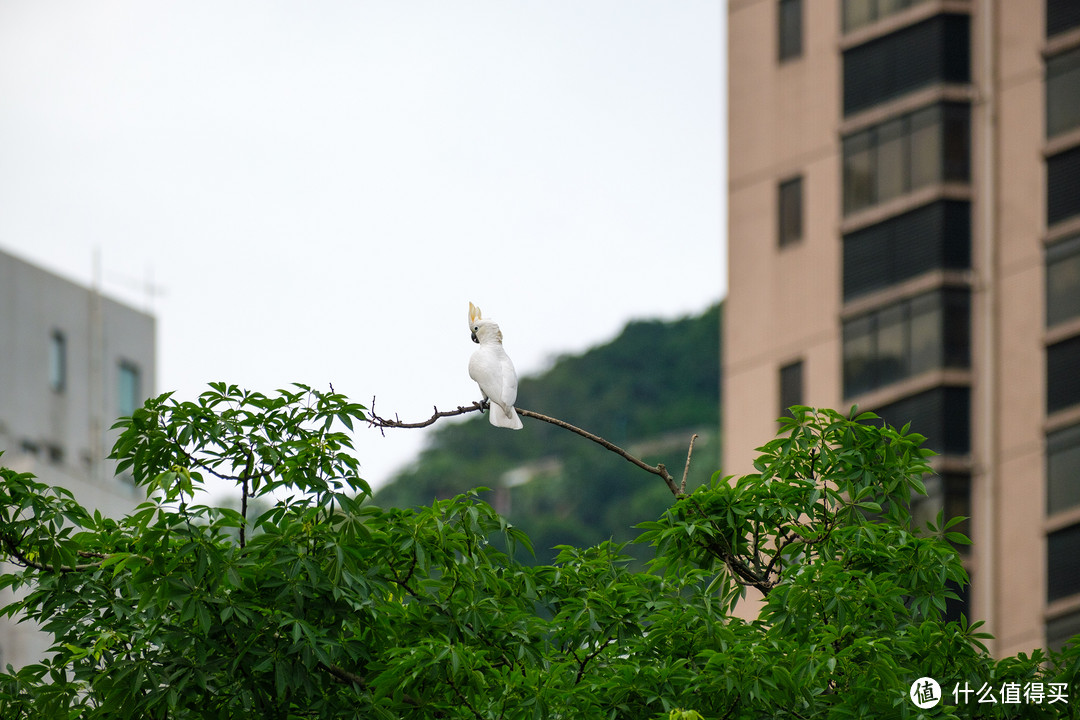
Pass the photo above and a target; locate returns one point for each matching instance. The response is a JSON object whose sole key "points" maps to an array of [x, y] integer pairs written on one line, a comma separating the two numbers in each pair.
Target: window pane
{"points": [[891, 154], [858, 356], [57, 361], [790, 28], [1063, 281], [927, 332], [1063, 186], [956, 330], [933, 146], [1063, 374], [948, 494], [858, 13], [961, 606], [1063, 469], [956, 133], [926, 327], [1060, 630], [791, 381], [958, 501], [790, 220], [1061, 15], [128, 391], [858, 172], [892, 345], [941, 414], [926, 155], [1063, 92], [956, 228], [1063, 563]]}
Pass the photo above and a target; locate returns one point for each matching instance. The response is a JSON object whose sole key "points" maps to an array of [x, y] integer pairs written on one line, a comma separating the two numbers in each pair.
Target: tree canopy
{"points": [[324, 606]]}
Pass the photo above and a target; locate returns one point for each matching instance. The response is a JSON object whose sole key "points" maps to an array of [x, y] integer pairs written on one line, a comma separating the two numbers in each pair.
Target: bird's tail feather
{"points": [[504, 418]]}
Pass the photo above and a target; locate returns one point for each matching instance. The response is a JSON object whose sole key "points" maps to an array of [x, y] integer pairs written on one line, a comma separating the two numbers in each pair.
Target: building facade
{"points": [[71, 363], [904, 235]]}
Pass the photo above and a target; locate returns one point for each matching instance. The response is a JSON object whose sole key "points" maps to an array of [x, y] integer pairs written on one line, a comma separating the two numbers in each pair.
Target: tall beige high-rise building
{"points": [[904, 234]]}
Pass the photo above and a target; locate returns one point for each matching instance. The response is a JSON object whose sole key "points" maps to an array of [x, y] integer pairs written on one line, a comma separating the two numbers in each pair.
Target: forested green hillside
{"points": [[647, 391]]}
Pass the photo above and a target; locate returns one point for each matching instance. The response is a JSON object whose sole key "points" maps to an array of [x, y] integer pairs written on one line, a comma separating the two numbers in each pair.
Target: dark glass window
{"points": [[923, 333], [932, 237], [1063, 469], [1060, 630], [1063, 186], [790, 206], [858, 13], [1063, 281], [860, 159], [962, 604], [948, 494], [791, 386], [790, 28], [935, 50], [1063, 374], [1063, 92], [1063, 563], [942, 414], [57, 361], [1061, 15], [920, 148]]}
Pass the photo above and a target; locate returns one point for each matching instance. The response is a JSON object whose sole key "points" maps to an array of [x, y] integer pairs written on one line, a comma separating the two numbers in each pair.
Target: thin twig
{"points": [[686, 470], [659, 469]]}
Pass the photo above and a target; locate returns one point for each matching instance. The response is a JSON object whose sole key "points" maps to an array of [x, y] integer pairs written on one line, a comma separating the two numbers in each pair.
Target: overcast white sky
{"points": [[318, 189]]}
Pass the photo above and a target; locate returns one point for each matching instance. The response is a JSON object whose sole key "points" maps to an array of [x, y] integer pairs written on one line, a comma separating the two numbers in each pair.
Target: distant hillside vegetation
{"points": [[647, 391]]}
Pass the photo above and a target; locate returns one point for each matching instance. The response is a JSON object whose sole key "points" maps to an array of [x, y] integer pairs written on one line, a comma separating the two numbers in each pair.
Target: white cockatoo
{"points": [[492, 370]]}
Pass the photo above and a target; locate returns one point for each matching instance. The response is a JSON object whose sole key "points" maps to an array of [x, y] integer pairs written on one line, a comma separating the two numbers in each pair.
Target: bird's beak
{"points": [[475, 339]]}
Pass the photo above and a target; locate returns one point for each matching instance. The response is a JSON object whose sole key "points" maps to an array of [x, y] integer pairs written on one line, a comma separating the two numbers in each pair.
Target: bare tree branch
{"points": [[659, 470], [379, 422]]}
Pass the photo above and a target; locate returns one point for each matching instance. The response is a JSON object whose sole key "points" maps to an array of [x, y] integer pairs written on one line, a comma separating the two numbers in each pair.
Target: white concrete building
{"points": [[71, 362]]}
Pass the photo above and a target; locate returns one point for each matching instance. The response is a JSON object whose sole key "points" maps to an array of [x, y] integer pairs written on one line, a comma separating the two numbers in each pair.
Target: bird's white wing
{"points": [[508, 377], [493, 371], [484, 369]]}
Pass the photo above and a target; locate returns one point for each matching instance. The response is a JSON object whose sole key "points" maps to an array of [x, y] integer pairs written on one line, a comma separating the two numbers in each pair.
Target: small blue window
{"points": [[129, 393]]}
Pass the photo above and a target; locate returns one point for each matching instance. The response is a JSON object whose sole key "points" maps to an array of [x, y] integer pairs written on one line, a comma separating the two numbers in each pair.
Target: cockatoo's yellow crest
{"points": [[474, 314]]}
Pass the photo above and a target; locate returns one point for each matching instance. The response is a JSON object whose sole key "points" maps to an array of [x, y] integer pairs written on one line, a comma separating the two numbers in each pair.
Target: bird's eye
{"points": [[475, 328]]}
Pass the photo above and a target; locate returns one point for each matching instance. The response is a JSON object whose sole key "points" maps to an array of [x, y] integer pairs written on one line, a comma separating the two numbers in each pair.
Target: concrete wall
{"points": [[62, 435]]}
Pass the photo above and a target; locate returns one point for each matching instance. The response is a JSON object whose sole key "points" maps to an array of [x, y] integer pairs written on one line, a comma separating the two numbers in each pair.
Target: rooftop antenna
{"points": [[96, 384], [145, 286], [151, 289]]}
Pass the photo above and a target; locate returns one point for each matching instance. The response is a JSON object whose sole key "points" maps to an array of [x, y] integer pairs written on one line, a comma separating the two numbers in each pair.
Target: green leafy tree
{"points": [[326, 607]]}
